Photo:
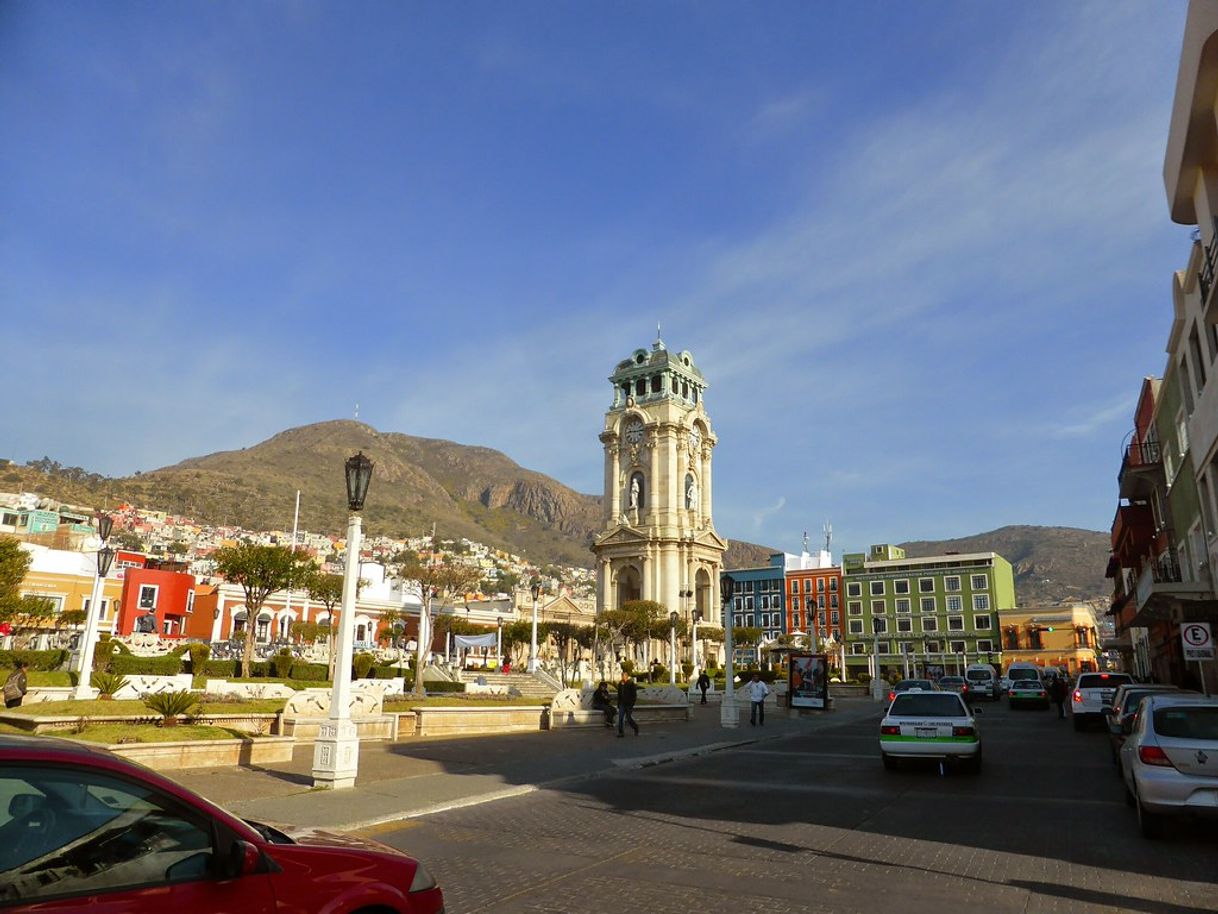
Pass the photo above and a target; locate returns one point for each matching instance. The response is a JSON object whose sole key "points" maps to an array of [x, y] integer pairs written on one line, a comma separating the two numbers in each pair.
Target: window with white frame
{"points": [[908, 647], [833, 601], [807, 585], [951, 583], [930, 624], [985, 646], [877, 588], [820, 601], [901, 585], [739, 604], [905, 625], [980, 581], [981, 623], [883, 647], [879, 625], [856, 626], [794, 586], [933, 647], [147, 598], [926, 585], [903, 604], [858, 648], [190, 601], [748, 602], [832, 585], [928, 605], [981, 602], [955, 623], [854, 607], [833, 617], [957, 647], [955, 603], [820, 585], [854, 588], [878, 607]]}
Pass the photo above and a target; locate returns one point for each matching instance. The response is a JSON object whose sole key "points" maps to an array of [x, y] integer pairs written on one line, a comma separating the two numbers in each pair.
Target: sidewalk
{"points": [[419, 776]]}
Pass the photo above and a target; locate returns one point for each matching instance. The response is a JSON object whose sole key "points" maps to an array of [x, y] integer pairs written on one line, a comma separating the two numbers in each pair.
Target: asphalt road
{"points": [[814, 823]]}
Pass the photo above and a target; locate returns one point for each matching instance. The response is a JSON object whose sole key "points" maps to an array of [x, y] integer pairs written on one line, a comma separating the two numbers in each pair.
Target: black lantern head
{"points": [[359, 474], [727, 586], [105, 523], [105, 558], [696, 615], [672, 617], [536, 589], [499, 621]]}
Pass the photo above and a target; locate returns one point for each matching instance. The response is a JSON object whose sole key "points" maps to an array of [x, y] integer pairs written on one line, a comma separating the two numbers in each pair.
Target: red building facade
{"points": [[157, 600], [814, 603]]}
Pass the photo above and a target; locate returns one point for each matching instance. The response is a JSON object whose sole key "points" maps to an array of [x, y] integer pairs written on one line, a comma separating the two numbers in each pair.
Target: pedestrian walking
{"points": [[627, 695], [758, 691], [16, 685], [601, 702], [1058, 690], [704, 683]]}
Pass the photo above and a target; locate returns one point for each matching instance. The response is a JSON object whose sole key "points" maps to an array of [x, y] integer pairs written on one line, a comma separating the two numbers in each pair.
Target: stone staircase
{"points": [[528, 686]]}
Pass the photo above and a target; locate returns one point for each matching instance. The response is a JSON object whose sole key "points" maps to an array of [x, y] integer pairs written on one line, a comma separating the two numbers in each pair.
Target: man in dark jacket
{"points": [[703, 684], [1059, 692], [601, 702], [627, 695]]}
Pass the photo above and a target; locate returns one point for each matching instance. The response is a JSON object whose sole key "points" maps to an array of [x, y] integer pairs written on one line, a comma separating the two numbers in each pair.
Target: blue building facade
{"points": [[758, 600]]}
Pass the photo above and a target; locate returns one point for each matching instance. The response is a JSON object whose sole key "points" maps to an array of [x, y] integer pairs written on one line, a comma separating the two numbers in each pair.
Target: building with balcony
{"points": [[814, 598], [928, 616], [1066, 637], [758, 601]]}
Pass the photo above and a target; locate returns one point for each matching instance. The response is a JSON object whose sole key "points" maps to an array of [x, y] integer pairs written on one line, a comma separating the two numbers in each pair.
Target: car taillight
{"points": [[1078, 696], [965, 688], [888, 730], [892, 696], [963, 731], [1153, 755]]}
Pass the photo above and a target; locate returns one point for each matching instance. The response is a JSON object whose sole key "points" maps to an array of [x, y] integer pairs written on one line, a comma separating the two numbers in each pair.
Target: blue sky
{"points": [[921, 251]]}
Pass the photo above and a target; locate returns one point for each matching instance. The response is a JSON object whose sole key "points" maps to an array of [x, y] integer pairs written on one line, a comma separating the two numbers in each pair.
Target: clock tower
{"points": [[658, 539]]}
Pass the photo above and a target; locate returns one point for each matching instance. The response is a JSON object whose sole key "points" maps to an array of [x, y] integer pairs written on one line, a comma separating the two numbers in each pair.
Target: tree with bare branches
{"points": [[442, 580]]}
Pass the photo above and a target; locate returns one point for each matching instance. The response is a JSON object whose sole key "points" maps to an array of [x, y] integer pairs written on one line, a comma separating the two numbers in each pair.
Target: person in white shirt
{"points": [[757, 690]]}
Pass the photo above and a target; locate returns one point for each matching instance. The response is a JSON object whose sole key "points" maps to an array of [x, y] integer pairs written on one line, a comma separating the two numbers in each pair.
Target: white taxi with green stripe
{"points": [[930, 725], [1027, 686]]}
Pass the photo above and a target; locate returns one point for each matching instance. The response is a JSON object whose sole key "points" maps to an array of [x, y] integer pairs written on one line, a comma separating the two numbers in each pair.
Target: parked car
{"points": [[1026, 686], [1170, 759], [930, 725], [83, 826], [911, 685], [1124, 705], [955, 684], [1092, 695]]}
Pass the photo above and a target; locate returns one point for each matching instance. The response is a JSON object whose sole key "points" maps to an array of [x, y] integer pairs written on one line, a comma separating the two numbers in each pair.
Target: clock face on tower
{"points": [[634, 433], [695, 439]]}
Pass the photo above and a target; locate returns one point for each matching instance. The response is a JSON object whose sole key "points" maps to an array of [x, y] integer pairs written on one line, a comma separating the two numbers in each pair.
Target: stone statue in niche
{"points": [[691, 492], [635, 491]]}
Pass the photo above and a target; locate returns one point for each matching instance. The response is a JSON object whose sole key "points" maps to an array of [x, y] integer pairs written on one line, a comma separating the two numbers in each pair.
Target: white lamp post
{"points": [[696, 616], [336, 752], [672, 648], [532, 666], [499, 641], [105, 557], [728, 715]]}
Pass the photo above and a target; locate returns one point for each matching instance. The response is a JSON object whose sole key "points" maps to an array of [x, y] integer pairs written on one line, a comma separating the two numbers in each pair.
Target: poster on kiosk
{"points": [[808, 681]]}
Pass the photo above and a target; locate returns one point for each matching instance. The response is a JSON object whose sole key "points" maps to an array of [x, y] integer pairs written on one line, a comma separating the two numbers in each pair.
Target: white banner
{"points": [[460, 641]]}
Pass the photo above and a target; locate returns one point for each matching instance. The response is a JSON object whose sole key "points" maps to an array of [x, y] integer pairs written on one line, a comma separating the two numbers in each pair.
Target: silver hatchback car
{"points": [[1170, 759]]}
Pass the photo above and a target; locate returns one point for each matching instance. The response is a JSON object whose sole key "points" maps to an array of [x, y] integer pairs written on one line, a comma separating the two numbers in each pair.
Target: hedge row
{"points": [[130, 665], [38, 660]]}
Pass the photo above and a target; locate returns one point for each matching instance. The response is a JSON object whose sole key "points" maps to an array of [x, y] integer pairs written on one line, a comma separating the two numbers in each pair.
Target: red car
{"points": [[84, 829]]}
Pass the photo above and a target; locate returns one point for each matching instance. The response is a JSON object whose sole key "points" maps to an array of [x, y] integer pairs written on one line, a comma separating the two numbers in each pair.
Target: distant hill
{"points": [[1051, 564], [466, 491]]}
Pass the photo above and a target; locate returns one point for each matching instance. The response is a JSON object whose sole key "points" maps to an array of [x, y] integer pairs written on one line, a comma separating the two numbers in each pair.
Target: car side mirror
{"points": [[244, 859]]}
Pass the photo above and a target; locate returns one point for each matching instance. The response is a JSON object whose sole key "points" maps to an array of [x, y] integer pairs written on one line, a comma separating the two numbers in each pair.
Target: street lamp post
{"points": [[728, 716], [499, 640], [532, 667], [105, 557], [672, 648], [336, 751], [696, 616]]}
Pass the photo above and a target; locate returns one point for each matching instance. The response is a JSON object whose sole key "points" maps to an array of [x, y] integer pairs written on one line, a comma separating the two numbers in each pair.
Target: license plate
{"points": [[926, 732]]}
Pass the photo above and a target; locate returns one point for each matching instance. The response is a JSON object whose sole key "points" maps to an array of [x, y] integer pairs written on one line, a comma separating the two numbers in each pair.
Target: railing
{"points": [[1166, 570], [1142, 454], [1205, 278]]}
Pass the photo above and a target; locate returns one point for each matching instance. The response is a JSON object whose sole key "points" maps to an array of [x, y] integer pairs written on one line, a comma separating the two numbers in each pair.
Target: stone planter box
{"points": [[472, 721], [250, 723], [39, 694], [307, 728], [652, 714], [208, 753]]}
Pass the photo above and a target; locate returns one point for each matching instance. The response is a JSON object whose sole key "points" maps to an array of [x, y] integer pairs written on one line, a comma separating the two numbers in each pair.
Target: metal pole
{"points": [[672, 654], [90, 637], [532, 666], [728, 715], [336, 752]]}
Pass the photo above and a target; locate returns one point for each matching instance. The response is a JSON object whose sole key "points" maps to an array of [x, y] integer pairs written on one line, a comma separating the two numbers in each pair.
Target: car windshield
{"points": [[906, 684], [1102, 680], [926, 705], [951, 681], [1023, 675], [978, 676], [1185, 722]]}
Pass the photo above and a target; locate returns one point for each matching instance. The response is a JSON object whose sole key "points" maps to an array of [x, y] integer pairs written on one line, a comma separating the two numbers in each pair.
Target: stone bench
{"points": [[567, 718]]}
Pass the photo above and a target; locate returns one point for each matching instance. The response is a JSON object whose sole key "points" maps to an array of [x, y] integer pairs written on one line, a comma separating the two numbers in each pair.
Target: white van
{"points": [[982, 682], [1026, 686]]}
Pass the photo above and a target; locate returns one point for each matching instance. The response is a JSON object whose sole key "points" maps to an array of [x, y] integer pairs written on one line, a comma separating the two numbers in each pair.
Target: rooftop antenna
{"points": [[805, 541], [357, 412], [828, 535]]}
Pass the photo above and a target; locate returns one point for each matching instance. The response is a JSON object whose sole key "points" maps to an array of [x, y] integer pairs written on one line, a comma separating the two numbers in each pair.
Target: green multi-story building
{"points": [[923, 617]]}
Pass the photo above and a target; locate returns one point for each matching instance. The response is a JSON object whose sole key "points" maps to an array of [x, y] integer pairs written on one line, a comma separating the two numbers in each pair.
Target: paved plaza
{"points": [[799, 817]]}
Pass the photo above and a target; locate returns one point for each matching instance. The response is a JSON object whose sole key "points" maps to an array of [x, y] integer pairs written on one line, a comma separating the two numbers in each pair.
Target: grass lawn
{"points": [[133, 706], [150, 733], [44, 677]]}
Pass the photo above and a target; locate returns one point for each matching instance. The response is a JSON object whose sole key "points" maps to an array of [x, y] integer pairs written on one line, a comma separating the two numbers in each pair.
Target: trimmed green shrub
{"points": [[687, 668], [282, 664], [711, 665], [628, 667], [199, 652], [433, 686], [362, 664], [221, 669], [659, 673], [864, 679], [310, 672], [107, 683], [38, 660], [129, 665], [170, 704]]}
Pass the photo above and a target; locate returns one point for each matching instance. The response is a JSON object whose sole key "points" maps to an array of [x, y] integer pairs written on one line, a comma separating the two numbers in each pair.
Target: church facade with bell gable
{"points": [[658, 540]]}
